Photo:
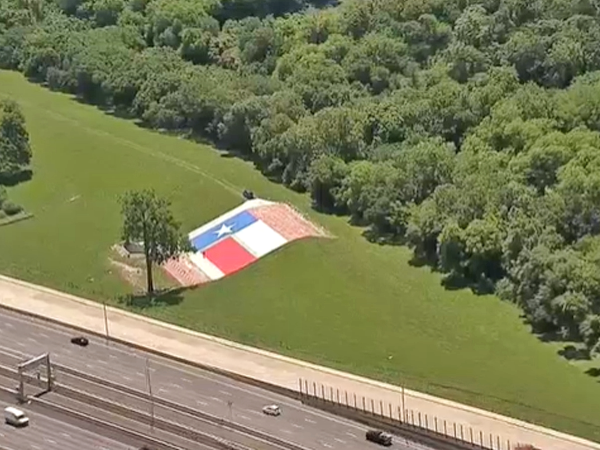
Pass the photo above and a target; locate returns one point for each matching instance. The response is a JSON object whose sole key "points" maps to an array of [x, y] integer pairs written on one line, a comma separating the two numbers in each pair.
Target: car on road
{"points": [[80, 340], [272, 410], [15, 417], [379, 437]]}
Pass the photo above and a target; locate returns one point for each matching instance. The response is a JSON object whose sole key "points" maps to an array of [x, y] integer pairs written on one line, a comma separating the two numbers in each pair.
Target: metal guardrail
{"points": [[130, 413], [43, 406]]}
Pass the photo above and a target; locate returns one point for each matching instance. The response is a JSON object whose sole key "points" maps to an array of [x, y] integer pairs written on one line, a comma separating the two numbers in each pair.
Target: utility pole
{"points": [[105, 321], [149, 382]]}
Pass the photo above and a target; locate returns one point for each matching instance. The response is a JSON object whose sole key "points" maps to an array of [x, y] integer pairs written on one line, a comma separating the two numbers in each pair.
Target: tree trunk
{"points": [[149, 279]]}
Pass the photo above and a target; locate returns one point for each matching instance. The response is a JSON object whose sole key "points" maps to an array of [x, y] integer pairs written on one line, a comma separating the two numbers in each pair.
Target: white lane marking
{"points": [[340, 441], [216, 399], [140, 374], [351, 434], [66, 435], [43, 335], [35, 447], [309, 421], [286, 431], [103, 448], [125, 377], [244, 417], [325, 444], [50, 441], [225, 393], [187, 380], [8, 325], [30, 339], [175, 385], [257, 413], [111, 356], [297, 426], [200, 402]]}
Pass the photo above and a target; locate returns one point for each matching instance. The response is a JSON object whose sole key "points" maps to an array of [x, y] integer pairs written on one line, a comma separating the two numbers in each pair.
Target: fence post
{"points": [[508, 444], [331, 392], [481, 438], [372, 407], [337, 391], [491, 442], [300, 384], [435, 423], [426, 422], [364, 405], [355, 405], [323, 392], [346, 394], [419, 415], [454, 426], [391, 413], [445, 429], [471, 434], [412, 417], [462, 436], [381, 408], [498, 441]]}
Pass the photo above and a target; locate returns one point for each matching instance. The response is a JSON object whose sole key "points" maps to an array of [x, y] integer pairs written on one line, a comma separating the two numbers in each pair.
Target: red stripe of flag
{"points": [[229, 256]]}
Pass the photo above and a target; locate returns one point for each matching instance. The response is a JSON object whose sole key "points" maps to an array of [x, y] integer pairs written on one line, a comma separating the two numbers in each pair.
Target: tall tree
{"points": [[147, 218], [15, 150]]}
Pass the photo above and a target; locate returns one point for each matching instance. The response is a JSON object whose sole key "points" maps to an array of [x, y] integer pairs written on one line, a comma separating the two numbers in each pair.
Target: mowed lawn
{"points": [[343, 302]]}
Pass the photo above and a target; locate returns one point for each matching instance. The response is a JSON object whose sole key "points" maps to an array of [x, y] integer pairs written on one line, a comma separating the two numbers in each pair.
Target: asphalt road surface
{"points": [[46, 433], [186, 385]]}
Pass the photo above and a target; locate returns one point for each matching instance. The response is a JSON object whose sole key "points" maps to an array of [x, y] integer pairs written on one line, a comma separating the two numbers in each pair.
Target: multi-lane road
{"points": [[48, 433], [184, 384]]}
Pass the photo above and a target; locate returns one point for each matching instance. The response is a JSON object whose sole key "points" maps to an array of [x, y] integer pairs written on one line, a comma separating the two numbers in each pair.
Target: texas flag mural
{"points": [[239, 238]]}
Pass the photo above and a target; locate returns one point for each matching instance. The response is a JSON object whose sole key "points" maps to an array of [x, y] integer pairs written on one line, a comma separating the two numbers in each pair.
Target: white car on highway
{"points": [[272, 410]]}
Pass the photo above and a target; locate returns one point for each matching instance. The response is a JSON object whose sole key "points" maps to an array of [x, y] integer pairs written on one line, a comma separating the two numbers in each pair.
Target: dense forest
{"points": [[466, 129]]}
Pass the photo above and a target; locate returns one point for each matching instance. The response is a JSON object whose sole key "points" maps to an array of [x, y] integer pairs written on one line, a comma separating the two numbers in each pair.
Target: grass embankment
{"points": [[344, 302]]}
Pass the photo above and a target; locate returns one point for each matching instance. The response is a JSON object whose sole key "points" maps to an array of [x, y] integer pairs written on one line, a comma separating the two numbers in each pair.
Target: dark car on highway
{"points": [[379, 437], [80, 340]]}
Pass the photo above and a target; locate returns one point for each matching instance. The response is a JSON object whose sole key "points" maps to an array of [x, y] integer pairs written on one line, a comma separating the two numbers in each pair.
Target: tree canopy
{"points": [[148, 220], [467, 130]]}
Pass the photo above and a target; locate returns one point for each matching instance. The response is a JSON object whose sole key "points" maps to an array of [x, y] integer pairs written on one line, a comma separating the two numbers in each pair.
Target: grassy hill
{"points": [[343, 302]]}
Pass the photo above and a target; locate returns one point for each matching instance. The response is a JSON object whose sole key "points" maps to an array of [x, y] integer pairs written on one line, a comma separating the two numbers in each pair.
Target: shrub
{"points": [[11, 208]]}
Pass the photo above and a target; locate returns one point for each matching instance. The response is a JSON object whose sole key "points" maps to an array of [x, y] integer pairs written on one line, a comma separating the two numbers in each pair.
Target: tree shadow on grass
{"points": [[18, 178], [166, 297], [456, 282], [593, 372], [573, 353]]}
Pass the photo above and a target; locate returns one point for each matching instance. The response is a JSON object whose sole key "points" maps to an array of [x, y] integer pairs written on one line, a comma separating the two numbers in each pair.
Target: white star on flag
{"points": [[223, 230]]}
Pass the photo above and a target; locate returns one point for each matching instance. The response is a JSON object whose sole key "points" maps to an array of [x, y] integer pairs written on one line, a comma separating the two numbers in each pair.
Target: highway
{"points": [[186, 385], [46, 433]]}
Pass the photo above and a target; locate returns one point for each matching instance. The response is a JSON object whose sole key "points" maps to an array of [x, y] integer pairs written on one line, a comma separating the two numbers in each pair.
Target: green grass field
{"points": [[343, 302]]}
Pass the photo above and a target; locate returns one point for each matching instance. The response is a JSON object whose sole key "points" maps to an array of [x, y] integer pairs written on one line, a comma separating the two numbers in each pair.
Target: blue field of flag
{"points": [[222, 230]]}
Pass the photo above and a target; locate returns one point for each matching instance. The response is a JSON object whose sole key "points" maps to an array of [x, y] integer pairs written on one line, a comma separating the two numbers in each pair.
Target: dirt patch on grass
{"points": [[135, 276]]}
